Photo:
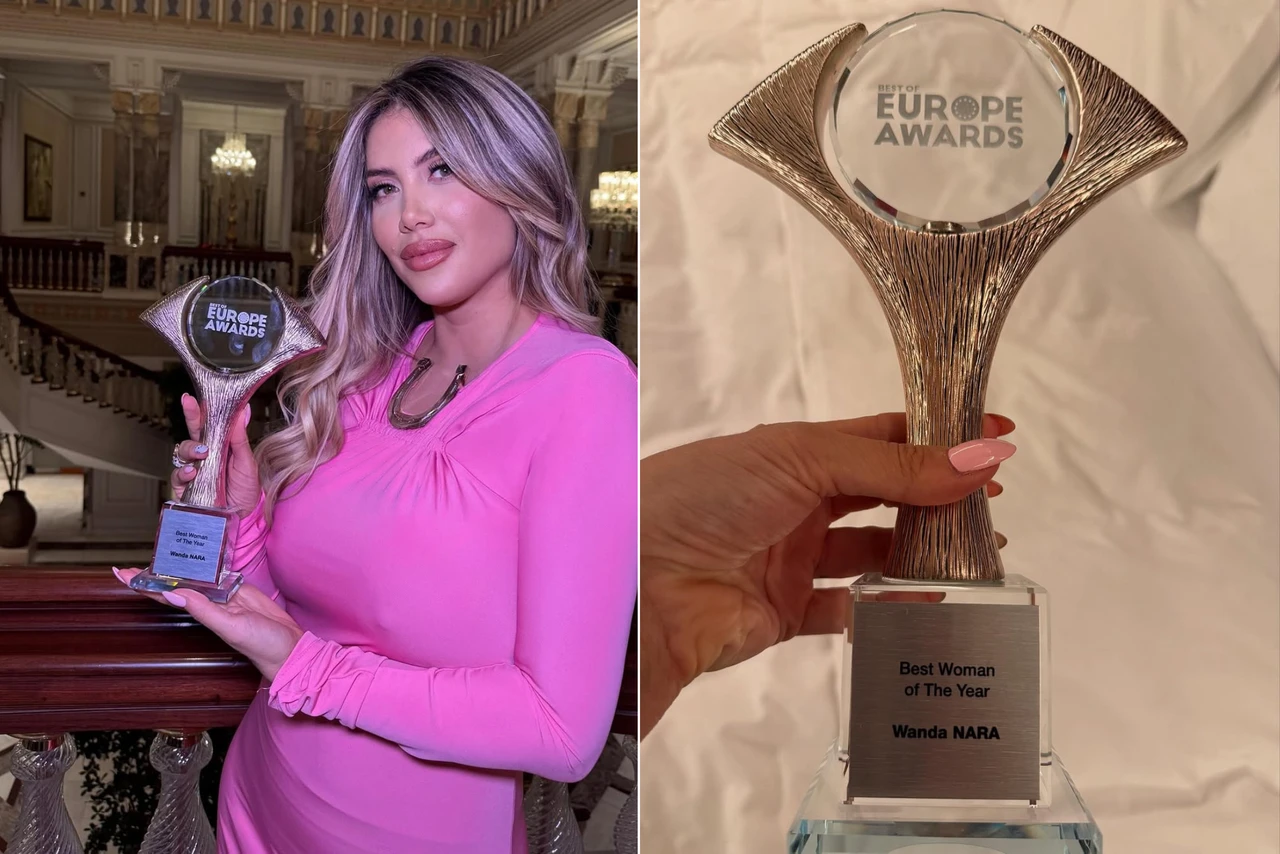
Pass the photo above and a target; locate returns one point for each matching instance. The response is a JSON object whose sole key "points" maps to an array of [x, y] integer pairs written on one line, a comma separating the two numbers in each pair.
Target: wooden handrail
{"points": [[53, 264], [219, 252], [78, 651], [51, 243], [11, 305]]}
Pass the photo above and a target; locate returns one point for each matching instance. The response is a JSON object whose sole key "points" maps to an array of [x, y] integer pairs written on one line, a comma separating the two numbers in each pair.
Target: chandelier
{"points": [[233, 158], [616, 201]]}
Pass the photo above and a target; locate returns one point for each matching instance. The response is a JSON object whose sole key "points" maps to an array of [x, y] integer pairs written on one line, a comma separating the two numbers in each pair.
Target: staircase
{"points": [[91, 406]]}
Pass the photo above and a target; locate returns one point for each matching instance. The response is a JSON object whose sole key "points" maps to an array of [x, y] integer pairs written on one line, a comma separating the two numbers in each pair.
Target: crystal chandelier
{"points": [[232, 158], [616, 201]]}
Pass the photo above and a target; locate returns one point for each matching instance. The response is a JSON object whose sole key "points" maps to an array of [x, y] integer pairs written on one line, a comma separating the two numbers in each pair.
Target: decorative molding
{"points": [[585, 29], [39, 37], [227, 37]]}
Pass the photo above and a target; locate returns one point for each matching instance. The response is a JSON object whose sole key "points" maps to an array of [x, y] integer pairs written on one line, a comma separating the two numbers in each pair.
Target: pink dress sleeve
{"points": [[547, 711], [249, 557]]}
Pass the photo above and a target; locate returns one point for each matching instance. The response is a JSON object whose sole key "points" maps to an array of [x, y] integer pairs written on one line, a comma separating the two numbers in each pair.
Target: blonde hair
{"points": [[498, 143]]}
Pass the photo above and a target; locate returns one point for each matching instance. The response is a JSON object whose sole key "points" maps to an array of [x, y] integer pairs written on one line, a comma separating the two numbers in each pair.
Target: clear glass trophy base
{"points": [[219, 592], [826, 824]]}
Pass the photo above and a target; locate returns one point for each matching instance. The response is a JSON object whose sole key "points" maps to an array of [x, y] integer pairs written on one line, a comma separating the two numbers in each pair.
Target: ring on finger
{"points": [[178, 461]]}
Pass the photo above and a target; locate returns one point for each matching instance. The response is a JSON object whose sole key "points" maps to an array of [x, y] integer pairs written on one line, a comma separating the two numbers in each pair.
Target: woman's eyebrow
{"points": [[390, 173]]}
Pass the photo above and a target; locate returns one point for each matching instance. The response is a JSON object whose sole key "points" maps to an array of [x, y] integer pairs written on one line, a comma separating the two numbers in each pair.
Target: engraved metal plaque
{"points": [[945, 701], [189, 544]]}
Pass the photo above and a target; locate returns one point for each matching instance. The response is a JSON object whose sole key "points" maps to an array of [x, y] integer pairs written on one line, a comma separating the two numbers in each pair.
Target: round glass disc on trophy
{"points": [[234, 324], [946, 122]]}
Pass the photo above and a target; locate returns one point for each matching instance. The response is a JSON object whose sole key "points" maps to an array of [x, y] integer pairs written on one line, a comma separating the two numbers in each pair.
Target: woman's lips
{"points": [[425, 254]]}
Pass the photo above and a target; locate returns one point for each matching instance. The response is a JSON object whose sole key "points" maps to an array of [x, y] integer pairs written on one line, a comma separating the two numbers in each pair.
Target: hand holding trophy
{"points": [[231, 334], [946, 151], [243, 487]]}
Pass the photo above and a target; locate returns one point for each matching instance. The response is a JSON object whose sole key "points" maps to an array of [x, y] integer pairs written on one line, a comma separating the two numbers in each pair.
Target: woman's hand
{"points": [[243, 488], [734, 530], [250, 622]]}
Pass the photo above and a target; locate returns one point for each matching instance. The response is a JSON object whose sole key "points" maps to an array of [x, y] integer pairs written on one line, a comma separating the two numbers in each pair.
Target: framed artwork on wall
{"points": [[37, 196]]}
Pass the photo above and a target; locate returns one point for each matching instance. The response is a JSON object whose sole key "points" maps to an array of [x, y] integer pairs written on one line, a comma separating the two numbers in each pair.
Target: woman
{"points": [[447, 524]]}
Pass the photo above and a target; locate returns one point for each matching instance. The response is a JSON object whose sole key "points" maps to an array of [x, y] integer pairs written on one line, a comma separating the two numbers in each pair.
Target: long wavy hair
{"points": [[499, 144]]}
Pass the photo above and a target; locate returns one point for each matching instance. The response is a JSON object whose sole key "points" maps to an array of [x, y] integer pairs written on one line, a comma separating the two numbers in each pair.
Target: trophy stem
{"points": [[955, 542], [219, 403], [945, 325]]}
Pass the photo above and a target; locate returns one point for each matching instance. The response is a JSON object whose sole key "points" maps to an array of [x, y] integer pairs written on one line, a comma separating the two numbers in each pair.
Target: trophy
{"points": [[946, 151], [232, 334]]}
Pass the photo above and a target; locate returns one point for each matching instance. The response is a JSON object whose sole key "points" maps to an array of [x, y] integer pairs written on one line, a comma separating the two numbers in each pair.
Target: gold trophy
{"points": [[946, 151], [232, 334]]}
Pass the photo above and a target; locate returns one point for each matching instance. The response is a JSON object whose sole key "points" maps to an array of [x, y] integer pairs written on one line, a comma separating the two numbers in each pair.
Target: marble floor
{"points": [[59, 503]]}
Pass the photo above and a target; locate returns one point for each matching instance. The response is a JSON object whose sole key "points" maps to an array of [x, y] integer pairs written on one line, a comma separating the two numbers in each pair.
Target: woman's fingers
{"points": [[827, 612], [192, 450], [904, 596], [180, 477], [892, 426], [832, 462], [192, 414], [994, 426], [215, 617], [238, 435], [849, 551], [843, 505], [195, 603], [124, 576], [852, 551]]}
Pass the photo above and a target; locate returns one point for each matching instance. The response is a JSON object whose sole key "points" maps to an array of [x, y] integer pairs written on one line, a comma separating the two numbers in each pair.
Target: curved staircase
{"points": [[91, 406]]}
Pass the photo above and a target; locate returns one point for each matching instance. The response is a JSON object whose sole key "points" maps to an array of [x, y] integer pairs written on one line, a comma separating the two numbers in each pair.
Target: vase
{"points": [[17, 520]]}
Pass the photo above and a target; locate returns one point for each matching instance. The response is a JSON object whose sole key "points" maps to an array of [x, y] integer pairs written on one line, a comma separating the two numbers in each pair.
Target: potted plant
{"points": [[17, 516]]}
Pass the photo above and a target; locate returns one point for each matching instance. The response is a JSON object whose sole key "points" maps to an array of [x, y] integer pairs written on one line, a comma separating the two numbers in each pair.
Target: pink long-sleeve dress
{"points": [[466, 590]]}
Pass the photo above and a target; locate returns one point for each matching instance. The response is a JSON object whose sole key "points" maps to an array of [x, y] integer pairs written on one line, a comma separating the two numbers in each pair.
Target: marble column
{"points": [[336, 122], [151, 169], [308, 173], [564, 117], [595, 105], [318, 133], [123, 185], [144, 141]]}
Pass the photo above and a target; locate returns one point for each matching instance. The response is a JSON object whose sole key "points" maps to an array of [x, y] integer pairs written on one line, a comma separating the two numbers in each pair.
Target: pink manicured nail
{"points": [[174, 599], [115, 570], [980, 454]]}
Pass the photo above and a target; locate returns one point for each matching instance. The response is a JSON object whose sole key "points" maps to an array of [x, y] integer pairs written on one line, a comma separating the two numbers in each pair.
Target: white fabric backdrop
{"points": [[1140, 361]]}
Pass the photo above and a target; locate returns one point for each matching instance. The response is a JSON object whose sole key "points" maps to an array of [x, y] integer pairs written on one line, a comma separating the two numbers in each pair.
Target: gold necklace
{"points": [[396, 415]]}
